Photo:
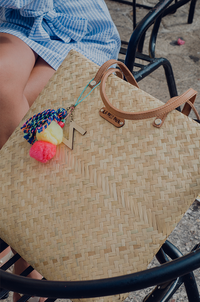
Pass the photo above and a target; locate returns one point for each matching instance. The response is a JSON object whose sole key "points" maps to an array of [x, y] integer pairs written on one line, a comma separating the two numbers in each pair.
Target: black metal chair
{"points": [[167, 278], [172, 9], [133, 49]]}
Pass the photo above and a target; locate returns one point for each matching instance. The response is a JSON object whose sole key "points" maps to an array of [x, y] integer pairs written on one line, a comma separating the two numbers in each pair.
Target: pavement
{"points": [[185, 61]]}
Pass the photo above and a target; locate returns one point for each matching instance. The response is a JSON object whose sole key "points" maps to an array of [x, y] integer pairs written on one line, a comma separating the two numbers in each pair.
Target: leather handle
{"points": [[105, 67], [160, 112]]}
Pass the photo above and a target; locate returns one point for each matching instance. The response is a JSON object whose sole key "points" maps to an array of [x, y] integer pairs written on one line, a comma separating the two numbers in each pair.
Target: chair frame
{"points": [[171, 10], [167, 278], [133, 49]]}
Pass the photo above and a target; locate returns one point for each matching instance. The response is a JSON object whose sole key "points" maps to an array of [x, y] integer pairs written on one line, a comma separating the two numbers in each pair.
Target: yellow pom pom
{"points": [[52, 134]]}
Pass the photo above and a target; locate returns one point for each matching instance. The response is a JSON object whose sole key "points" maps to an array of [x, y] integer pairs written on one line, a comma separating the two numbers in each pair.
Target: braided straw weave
{"points": [[104, 208]]}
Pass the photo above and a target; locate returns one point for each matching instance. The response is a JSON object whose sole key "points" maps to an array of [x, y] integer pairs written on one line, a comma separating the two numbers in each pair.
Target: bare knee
{"points": [[17, 60]]}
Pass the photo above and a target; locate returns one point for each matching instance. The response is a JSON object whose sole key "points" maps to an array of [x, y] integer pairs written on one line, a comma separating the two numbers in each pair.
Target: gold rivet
{"points": [[158, 121]]}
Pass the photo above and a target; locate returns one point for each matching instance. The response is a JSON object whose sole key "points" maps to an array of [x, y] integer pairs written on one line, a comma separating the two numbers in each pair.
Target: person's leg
{"points": [[16, 63], [4, 255], [20, 78], [38, 79], [19, 267]]}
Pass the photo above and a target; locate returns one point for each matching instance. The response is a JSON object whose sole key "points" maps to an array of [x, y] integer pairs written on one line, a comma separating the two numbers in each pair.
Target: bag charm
{"points": [[44, 131]]}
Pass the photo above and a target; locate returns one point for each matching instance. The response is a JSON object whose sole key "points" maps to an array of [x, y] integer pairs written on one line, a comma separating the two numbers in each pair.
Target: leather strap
{"points": [[160, 112], [188, 106]]}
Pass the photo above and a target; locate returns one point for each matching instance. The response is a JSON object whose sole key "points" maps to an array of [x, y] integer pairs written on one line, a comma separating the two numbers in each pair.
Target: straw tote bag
{"points": [[103, 208]]}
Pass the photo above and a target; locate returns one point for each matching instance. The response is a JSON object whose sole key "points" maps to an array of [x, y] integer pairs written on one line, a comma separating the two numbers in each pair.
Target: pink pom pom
{"points": [[42, 151]]}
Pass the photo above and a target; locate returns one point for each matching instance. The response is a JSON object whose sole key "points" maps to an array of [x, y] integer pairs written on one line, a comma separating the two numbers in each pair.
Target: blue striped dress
{"points": [[53, 27]]}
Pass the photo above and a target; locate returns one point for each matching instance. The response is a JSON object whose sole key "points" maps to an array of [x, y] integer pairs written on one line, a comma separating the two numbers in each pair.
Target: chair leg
{"points": [[170, 78], [4, 294], [164, 292], [156, 63], [191, 11], [134, 14], [191, 288]]}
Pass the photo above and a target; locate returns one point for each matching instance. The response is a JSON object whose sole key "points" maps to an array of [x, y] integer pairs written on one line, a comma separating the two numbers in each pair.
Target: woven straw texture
{"points": [[104, 208]]}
